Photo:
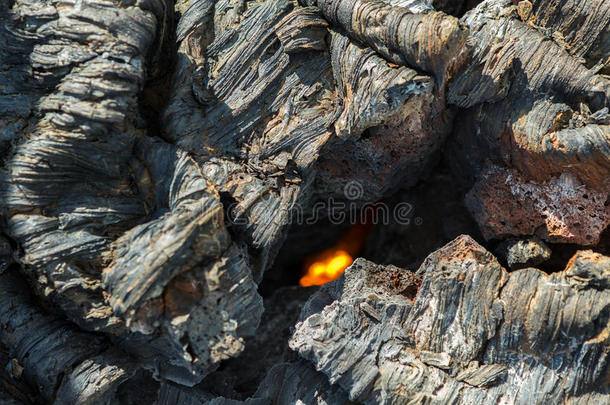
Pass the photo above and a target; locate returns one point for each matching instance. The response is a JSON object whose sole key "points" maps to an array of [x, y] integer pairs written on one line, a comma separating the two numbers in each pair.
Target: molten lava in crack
{"points": [[329, 264]]}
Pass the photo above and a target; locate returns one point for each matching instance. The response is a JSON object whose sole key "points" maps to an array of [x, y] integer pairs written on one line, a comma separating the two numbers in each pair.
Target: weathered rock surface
{"points": [[469, 333], [562, 209], [323, 108], [408, 33], [154, 246], [257, 94], [393, 120], [299, 383], [66, 365], [522, 253], [13, 389], [587, 268], [267, 348], [519, 111], [121, 231]]}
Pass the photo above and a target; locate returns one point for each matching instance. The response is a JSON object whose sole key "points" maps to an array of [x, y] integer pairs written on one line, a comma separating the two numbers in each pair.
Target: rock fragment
{"points": [[522, 253], [563, 210]]}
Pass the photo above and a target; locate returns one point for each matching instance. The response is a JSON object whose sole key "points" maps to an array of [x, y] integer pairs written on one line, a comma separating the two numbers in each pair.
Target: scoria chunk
{"points": [[461, 330], [562, 209]]}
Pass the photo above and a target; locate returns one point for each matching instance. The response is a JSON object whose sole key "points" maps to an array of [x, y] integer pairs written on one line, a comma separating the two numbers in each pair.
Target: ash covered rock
{"points": [[460, 329]]}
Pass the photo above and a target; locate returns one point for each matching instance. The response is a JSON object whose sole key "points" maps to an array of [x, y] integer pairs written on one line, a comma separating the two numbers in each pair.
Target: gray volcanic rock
{"points": [[469, 333], [150, 173], [267, 347], [119, 230], [535, 104], [299, 382], [277, 106], [66, 365]]}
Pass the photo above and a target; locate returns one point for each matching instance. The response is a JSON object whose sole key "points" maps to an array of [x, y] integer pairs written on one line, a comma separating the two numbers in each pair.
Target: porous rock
{"points": [[562, 209]]}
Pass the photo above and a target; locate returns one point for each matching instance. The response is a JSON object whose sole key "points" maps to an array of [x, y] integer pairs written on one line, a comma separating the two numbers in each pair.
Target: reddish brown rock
{"points": [[562, 209]]}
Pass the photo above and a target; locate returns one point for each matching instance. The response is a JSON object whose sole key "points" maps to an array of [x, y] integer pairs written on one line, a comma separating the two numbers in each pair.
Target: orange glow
{"points": [[329, 264]]}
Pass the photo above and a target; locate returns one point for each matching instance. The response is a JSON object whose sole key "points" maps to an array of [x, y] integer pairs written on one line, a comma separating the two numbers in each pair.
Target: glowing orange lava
{"points": [[329, 264]]}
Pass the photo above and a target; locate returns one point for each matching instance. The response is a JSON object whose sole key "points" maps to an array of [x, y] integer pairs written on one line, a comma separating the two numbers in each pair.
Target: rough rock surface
{"points": [[379, 148], [589, 268], [548, 118], [562, 209], [542, 119], [409, 33], [145, 234], [267, 348], [293, 383], [65, 364], [522, 253], [121, 231], [260, 113], [462, 329], [257, 94]]}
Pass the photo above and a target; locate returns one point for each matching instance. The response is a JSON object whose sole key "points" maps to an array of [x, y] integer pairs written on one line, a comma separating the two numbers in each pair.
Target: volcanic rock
{"points": [[460, 329]]}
